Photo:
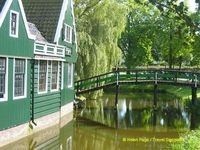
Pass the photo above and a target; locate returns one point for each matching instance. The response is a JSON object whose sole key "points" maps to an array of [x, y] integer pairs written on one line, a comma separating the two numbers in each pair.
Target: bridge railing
{"points": [[95, 82], [138, 75]]}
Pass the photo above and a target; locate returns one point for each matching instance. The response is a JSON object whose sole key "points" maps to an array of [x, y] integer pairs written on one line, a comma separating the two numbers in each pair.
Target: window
{"points": [[3, 79], [42, 76], [19, 78], [68, 51], [54, 76], [68, 33], [70, 75], [14, 23]]}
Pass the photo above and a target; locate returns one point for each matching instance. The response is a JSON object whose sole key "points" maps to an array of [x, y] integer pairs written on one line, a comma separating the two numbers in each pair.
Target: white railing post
{"points": [[49, 49]]}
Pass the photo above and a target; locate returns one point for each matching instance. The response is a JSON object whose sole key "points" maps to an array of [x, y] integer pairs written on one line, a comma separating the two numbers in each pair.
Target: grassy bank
{"points": [[190, 141], [176, 91]]}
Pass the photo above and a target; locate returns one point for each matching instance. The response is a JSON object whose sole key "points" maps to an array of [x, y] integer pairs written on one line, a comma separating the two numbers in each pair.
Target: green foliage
{"points": [[159, 31], [99, 25], [190, 141]]}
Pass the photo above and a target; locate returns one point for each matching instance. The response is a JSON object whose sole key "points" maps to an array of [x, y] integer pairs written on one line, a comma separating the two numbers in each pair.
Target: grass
{"points": [[183, 93], [190, 141]]}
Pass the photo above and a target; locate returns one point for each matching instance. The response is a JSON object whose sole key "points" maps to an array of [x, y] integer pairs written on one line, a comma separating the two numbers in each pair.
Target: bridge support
{"points": [[116, 96], [155, 95], [194, 95]]}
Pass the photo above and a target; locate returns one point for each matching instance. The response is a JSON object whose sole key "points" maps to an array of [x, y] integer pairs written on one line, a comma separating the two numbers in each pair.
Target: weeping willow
{"points": [[99, 26]]}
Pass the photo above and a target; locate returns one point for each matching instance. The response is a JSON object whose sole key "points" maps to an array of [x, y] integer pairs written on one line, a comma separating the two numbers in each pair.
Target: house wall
{"points": [[67, 94], [48, 102], [15, 112], [21, 46]]}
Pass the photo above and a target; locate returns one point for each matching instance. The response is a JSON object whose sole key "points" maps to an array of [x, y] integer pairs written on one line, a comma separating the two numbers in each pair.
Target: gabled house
{"points": [[16, 52], [37, 60], [54, 54]]}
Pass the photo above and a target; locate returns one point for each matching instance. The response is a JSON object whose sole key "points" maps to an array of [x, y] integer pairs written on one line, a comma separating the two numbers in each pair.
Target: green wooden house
{"points": [[37, 59]]}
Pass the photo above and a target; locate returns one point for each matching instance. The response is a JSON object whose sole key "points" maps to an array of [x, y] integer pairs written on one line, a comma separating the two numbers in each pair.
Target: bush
{"points": [[191, 141]]}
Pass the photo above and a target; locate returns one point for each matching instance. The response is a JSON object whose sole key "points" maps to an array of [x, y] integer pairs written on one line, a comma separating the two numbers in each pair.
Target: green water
{"points": [[134, 125]]}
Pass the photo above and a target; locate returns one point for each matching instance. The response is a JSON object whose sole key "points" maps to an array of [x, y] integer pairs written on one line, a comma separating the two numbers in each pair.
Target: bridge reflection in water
{"points": [[135, 124]]}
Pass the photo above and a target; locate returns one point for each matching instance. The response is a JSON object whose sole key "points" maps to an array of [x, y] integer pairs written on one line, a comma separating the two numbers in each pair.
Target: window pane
{"points": [[19, 77], [13, 23], [68, 32], [54, 83], [2, 75], [70, 75], [42, 75]]}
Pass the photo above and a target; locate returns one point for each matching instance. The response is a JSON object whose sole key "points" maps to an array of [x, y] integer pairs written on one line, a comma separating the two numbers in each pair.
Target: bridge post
{"points": [[194, 95], [136, 77], [194, 91], [155, 98], [117, 87], [116, 96]]}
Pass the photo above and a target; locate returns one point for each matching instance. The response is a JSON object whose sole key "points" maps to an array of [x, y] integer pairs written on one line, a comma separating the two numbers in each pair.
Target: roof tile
{"points": [[44, 14]]}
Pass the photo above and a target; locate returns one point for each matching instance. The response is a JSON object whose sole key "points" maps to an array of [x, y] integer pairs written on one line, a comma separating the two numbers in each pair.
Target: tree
{"points": [[157, 29], [137, 41], [99, 25]]}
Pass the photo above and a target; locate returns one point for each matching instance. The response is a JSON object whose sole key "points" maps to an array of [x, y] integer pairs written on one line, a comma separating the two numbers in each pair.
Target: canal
{"points": [[135, 124]]}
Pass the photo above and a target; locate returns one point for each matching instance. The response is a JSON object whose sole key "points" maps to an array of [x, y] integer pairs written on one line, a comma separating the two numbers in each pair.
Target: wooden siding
{"points": [[49, 102], [15, 112], [69, 21], [21, 46], [67, 94]]}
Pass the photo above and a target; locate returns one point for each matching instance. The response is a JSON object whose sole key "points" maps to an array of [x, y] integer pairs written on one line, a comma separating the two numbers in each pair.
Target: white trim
{"points": [[17, 24], [25, 82], [65, 30], [40, 57], [10, 56], [74, 25], [55, 90], [48, 49], [72, 75], [62, 75], [5, 10], [6, 84], [46, 87], [30, 36], [60, 21]]}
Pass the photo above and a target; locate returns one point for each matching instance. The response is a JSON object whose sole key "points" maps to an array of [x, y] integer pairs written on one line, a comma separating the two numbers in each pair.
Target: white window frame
{"points": [[62, 76], [58, 74], [17, 24], [46, 87], [70, 71], [5, 98], [65, 33], [25, 80]]}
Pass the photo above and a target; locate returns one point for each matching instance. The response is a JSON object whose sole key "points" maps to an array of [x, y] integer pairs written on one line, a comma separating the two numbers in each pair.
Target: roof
{"points": [[34, 31], [2, 2], [44, 14]]}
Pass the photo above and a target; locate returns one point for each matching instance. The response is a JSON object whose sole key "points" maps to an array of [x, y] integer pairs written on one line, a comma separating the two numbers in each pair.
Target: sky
{"points": [[192, 5]]}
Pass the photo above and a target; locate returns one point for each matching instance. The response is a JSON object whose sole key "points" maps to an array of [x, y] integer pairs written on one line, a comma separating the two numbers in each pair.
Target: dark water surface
{"points": [[134, 125]]}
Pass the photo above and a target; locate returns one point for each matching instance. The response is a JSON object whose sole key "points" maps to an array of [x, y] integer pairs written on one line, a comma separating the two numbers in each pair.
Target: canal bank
{"points": [[183, 93], [27, 130]]}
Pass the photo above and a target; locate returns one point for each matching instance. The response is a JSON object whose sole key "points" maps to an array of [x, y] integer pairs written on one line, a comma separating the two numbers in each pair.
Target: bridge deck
{"points": [[168, 77]]}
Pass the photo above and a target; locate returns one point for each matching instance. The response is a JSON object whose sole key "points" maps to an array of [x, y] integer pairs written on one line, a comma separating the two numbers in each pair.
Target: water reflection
{"points": [[138, 114], [133, 125]]}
